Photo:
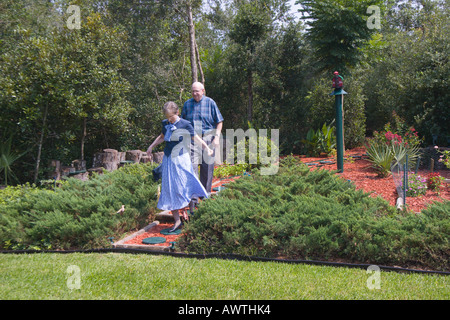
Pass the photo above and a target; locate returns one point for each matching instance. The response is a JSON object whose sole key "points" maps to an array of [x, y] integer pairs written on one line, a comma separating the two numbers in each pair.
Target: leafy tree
{"points": [[65, 82], [411, 78], [156, 63], [251, 26], [337, 31]]}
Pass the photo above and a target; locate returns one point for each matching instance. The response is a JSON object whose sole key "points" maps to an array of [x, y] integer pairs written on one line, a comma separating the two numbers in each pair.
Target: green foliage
{"points": [[434, 181], [52, 83], [381, 156], [250, 149], [305, 214], [411, 76], [338, 30], [391, 146], [7, 159], [129, 57], [79, 213], [320, 106], [226, 170], [445, 157], [251, 24], [12, 194], [417, 185], [321, 141]]}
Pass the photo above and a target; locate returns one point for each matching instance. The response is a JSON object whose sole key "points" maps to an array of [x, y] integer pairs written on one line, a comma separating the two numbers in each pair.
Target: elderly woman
{"points": [[179, 182]]}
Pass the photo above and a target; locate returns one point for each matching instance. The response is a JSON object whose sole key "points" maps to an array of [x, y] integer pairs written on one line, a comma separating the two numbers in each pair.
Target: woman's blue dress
{"points": [[179, 182]]}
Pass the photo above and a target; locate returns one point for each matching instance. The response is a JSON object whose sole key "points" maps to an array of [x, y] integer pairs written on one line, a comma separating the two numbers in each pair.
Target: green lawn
{"points": [[135, 276]]}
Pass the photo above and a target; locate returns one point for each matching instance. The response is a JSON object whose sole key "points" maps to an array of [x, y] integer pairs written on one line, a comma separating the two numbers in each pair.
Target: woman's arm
{"points": [[157, 141], [204, 145]]}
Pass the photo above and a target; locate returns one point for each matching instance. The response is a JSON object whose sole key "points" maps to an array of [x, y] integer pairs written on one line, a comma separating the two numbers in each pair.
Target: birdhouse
{"points": [[338, 81]]}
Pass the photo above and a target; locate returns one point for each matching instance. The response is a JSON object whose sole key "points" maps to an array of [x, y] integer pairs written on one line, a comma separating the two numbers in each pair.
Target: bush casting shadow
{"points": [[298, 214]]}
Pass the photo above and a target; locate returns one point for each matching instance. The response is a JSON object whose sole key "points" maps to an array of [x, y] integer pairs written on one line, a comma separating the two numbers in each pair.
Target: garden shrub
{"points": [[226, 170], [319, 141], [302, 214], [79, 213], [392, 145]]}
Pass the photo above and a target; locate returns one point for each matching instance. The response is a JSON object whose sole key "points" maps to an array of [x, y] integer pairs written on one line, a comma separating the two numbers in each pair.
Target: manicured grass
{"points": [[134, 276]]}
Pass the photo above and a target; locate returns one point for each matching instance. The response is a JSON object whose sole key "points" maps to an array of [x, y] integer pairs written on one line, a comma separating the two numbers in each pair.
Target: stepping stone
{"points": [[166, 232], [154, 240]]}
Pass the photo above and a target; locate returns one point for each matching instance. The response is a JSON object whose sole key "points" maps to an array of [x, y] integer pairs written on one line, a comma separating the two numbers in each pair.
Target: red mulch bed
{"points": [[359, 171], [155, 232]]}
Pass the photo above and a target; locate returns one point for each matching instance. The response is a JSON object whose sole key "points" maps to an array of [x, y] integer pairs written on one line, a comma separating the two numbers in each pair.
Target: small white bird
{"points": [[121, 210]]}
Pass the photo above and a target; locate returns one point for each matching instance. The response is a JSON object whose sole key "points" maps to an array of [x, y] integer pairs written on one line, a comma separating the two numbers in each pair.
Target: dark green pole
{"points": [[339, 132], [338, 93]]}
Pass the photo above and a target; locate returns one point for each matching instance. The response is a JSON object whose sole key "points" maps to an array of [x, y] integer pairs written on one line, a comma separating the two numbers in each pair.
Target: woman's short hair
{"points": [[170, 107]]}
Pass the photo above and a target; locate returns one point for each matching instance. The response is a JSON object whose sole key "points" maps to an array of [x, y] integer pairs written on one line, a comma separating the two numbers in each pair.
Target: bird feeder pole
{"points": [[338, 93]]}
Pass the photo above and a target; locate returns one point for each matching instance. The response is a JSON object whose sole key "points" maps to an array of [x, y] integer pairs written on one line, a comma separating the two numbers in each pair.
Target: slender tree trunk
{"points": [[83, 137], [192, 43], [199, 64], [250, 96], [41, 141]]}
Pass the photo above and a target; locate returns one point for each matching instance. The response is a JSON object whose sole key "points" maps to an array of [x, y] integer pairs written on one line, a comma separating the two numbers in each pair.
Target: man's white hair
{"points": [[199, 84]]}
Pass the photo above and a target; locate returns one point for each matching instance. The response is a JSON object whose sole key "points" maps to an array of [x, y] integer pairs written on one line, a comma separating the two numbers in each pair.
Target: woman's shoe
{"points": [[176, 226]]}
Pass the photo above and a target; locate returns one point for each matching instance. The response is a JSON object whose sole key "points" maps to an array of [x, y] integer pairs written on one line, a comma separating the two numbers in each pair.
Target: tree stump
{"points": [[56, 172], [133, 155], [145, 159], [98, 170], [158, 157], [108, 159], [65, 171], [79, 165], [84, 176]]}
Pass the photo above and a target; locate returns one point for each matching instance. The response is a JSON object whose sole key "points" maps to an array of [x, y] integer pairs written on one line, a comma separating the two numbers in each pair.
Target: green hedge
{"points": [[79, 214], [300, 214]]}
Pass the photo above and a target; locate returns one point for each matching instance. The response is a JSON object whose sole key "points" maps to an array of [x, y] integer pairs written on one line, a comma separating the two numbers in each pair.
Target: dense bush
{"points": [[316, 215], [78, 213]]}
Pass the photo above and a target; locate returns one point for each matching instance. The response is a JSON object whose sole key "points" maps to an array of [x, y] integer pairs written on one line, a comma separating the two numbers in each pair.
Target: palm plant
{"points": [[391, 154], [381, 157], [7, 158]]}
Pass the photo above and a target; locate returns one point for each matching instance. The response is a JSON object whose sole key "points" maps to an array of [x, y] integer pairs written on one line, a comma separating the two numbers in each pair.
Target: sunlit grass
{"points": [[129, 276]]}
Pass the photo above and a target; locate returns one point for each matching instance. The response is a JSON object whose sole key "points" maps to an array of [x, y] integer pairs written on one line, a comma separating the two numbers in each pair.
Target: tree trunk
{"points": [[199, 64], [250, 96], [83, 136], [192, 43], [41, 141]]}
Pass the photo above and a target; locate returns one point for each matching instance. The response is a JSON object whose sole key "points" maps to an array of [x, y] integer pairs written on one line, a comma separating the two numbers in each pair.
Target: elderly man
{"points": [[204, 115]]}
